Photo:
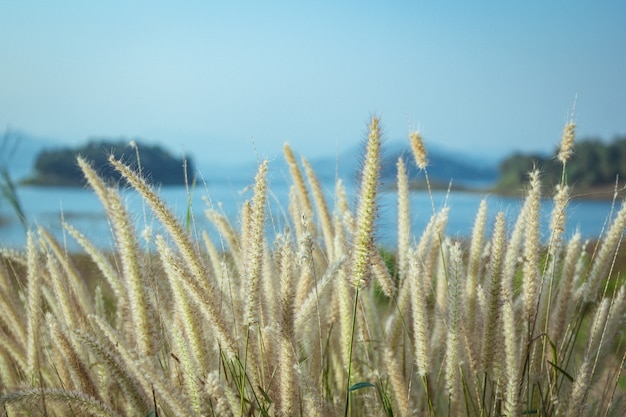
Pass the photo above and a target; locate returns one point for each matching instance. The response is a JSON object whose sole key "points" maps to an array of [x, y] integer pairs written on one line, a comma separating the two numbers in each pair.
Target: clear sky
{"points": [[216, 79]]}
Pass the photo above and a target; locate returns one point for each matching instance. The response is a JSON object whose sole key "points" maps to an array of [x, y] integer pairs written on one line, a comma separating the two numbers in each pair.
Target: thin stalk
{"points": [[431, 410], [354, 312]]}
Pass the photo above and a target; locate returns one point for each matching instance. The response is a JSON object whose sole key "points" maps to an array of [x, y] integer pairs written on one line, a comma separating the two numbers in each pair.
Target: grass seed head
{"points": [[419, 150], [567, 143]]}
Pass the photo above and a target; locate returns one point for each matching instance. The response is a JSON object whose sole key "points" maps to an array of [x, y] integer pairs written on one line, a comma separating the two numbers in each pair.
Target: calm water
{"points": [[81, 208]]}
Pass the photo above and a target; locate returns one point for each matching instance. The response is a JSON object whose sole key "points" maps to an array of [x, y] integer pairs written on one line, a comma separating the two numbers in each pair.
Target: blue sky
{"points": [[219, 80]]}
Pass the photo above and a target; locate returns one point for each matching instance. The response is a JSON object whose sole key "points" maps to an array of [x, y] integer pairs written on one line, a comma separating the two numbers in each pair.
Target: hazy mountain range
{"points": [[20, 152]]}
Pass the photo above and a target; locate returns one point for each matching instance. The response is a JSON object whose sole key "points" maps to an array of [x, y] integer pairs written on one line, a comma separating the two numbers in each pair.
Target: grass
{"points": [[315, 320]]}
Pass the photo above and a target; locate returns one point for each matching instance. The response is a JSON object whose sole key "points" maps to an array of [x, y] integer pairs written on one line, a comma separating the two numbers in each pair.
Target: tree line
{"points": [[594, 163], [59, 167]]}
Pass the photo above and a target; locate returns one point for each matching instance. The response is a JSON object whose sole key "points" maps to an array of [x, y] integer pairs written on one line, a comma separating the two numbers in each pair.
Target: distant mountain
{"points": [[444, 165], [465, 170]]}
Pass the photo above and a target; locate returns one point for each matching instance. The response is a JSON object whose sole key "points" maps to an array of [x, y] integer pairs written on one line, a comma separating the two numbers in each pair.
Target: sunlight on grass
{"points": [[316, 320]]}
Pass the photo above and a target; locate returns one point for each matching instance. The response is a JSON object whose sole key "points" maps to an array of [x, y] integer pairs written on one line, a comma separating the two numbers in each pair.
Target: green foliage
{"points": [[58, 167], [595, 163]]}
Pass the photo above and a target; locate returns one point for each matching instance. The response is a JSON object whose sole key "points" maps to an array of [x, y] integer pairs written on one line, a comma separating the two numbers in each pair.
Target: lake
{"points": [[46, 206]]}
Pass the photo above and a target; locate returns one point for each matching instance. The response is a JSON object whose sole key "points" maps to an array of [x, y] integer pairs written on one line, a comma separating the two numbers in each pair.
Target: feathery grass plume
{"points": [[404, 304], [295, 212], [323, 213], [360, 268], [68, 401], [307, 279], [6, 284], [549, 282], [223, 401], [227, 232], [256, 244], [115, 366], [78, 368], [608, 317], [419, 150], [617, 316], [494, 275], [76, 282], [558, 217], [99, 303], [216, 260], [198, 283], [189, 377], [99, 258], [399, 385], [455, 274], [245, 227], [428, 258], [61, 292], [141, 313], [421, 160], [512, 252], [142, 373], [439, 287], [94, 181], [304, 311], [565, 287], [531, 247], [366, 210], [584, 376], [476, 249], [419, 290], [12, 318], [298, 181], [382, 275], [16, 354], [343, 296], [287, 361], [8, 373], [188, 249], [34, 309], [177, 270], [598, 328], [183, 312], [604, 260], [343, 208], [108, 272], [12, 321], [270, 289], [404, 219], [512, 360], [567, 143], [580, 387]]}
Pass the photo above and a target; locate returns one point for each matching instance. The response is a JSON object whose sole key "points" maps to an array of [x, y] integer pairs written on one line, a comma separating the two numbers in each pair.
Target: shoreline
{"points": [[599, 193]]}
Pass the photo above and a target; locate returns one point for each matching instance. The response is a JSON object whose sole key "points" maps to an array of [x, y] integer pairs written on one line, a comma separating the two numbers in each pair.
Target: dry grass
{"points": [[311, 321]]}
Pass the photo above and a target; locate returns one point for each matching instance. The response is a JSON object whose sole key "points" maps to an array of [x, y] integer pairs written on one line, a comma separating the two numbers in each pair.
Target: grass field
{"points": [[316, 320]]}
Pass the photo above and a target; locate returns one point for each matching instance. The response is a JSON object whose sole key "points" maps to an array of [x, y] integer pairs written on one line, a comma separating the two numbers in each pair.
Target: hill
{"points": [[595, 165], [58, 166], [444, 166]]}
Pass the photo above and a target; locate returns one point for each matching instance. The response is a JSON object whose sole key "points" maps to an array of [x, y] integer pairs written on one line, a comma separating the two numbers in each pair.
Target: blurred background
{"points": [[227, 83]]}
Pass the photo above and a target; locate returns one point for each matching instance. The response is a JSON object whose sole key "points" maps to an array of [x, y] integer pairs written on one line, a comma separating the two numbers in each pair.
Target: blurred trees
{"points": [[594, 163], [59, 167]]}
